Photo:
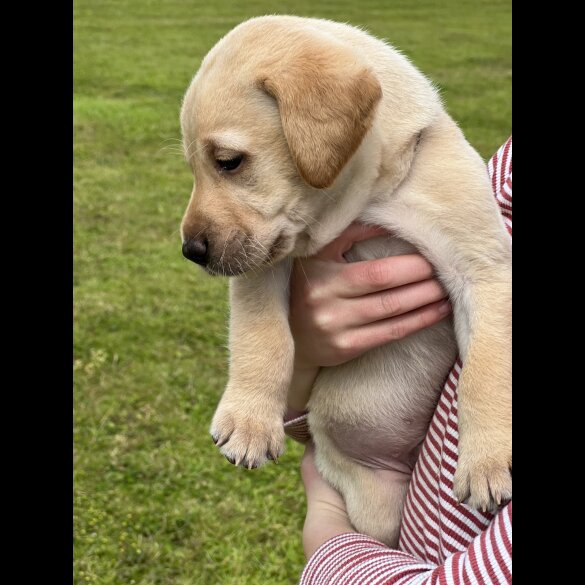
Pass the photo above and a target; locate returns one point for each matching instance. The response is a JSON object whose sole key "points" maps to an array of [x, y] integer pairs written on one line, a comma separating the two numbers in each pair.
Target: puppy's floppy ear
{"points": [[327, 102]]}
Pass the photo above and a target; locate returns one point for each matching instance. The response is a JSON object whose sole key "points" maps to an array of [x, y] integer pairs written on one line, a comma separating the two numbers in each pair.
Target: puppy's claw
{"points": [[232, 460], [220, 442], [462, 498]]}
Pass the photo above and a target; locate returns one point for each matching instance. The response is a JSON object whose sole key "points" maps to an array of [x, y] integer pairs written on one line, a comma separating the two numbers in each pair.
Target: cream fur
{"points": [[337, 126]]}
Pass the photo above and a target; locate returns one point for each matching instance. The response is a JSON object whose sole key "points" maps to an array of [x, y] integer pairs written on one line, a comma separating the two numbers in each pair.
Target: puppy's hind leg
{"points": [[374, 497]]}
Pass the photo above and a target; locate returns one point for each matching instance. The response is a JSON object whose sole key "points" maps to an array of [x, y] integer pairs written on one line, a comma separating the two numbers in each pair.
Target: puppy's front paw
{"points": [[247, 436], [483, 478]]}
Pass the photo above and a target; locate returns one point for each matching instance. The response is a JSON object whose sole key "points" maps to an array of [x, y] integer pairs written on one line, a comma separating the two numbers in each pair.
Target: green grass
{"points": [[154, 501]]}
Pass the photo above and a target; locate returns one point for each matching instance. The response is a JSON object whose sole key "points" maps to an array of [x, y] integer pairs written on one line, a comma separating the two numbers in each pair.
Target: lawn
{"points": [[154, 502]]}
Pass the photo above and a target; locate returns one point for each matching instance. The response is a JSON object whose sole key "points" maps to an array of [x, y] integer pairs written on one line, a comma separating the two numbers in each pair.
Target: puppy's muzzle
{"points": [[197, 250]]}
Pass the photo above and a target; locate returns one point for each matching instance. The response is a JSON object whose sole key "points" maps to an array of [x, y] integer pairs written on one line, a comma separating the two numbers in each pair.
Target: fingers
{"points": [[360, 278], [391, 302], [339, 310], [371, 276], [358, 340], [355, 232]]}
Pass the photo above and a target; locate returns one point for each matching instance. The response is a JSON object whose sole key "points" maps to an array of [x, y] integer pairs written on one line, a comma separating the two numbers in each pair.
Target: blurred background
{"points": [[154, 501]]}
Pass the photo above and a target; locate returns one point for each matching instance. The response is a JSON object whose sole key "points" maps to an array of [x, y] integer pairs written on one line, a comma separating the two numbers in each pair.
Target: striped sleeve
{"points": [[296, 427], [355, 559]]}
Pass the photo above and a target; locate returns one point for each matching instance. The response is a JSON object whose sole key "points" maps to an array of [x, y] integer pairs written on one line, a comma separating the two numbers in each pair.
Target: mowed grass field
{"points": [[154, 502]]}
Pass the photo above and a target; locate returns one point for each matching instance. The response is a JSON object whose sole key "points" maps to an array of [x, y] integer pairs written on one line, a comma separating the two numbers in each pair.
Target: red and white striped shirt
{"points": [[441, 541]]}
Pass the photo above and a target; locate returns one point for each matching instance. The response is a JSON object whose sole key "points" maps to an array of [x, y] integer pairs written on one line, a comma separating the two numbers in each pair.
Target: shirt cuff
{"points": [[351, 557], [329, 558]]}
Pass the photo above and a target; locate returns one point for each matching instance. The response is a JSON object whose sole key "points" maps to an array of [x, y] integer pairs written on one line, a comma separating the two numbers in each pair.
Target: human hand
{"points": [[326, 513], [339, 310]]}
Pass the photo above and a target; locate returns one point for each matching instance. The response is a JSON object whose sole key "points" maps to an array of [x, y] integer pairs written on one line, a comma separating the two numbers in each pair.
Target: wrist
{"points": [[322, 526]]}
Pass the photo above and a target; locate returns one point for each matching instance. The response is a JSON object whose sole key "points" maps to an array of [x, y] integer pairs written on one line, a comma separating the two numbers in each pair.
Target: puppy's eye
{"points": [[229, 164]]}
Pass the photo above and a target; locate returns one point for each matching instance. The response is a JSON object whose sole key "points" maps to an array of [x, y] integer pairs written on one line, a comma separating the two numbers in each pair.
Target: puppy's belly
{"points": [[375, 447], [376, 408]]}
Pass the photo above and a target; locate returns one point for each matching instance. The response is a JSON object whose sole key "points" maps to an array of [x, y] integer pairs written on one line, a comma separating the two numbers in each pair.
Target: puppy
{"points": [[294, 128]]}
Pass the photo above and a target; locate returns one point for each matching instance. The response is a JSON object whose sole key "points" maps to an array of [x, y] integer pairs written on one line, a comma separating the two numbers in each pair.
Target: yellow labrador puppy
{"points": [[294, 128]]}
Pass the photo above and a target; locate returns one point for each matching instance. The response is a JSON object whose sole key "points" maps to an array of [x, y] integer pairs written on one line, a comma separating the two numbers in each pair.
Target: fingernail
{"points": [[445, 307]]}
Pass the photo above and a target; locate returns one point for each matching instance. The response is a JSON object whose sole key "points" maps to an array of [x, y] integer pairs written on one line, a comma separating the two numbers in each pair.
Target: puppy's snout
{"points": [[197, 250]]}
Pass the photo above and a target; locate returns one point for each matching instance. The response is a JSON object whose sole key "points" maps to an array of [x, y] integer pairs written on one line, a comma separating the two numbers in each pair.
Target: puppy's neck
{"points": [[375, 171]]}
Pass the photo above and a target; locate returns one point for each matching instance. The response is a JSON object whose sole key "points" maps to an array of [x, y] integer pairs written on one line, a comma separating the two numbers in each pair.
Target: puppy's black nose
{"points": [[196, 250]]}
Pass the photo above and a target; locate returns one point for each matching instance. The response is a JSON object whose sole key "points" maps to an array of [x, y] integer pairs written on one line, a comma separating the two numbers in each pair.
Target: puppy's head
{"points": [[273, 115]]}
